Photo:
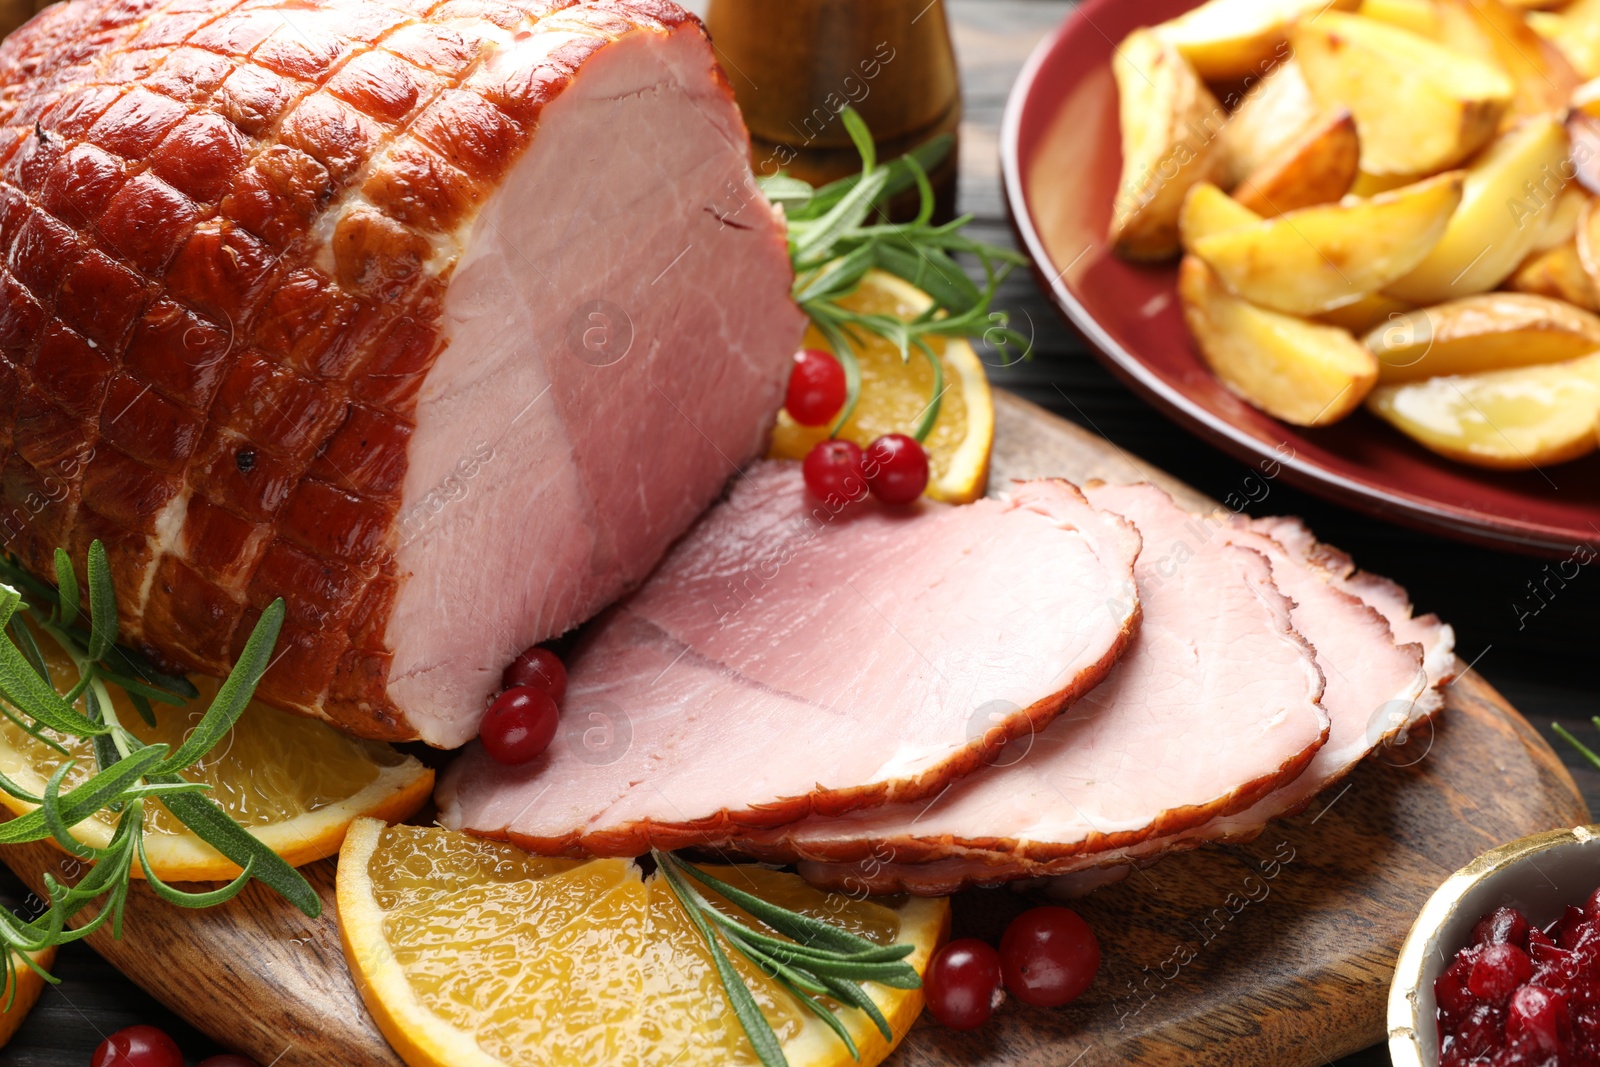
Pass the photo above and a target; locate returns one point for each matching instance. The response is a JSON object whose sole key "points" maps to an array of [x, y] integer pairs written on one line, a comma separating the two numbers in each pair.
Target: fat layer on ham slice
{"points": [[1214, 706], [786, 660], [1376, 686], [439, 320]]}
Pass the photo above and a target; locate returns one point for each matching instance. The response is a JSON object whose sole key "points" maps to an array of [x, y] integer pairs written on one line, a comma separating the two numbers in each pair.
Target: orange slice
{"points": [[895, 392], [294, 783], [472, 953]]}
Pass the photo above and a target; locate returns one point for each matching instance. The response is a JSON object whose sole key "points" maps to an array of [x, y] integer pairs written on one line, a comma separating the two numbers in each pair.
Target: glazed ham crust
{"points": [[229, 228]]}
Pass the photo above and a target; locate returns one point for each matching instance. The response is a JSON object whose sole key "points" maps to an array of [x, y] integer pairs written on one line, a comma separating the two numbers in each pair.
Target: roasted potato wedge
{"points": [[1586, 242], [1301, 372], [1575, 29], [1510, 190], [1490, 331], [1275, 112], [1208, 210], [1491, 31], [1231, 39], [1506, 419], [1583, 131], [1557, 273], [1421, 17], [1366, 314], [1373, 184], [1560, 223], [1320, 258], [1169, 125], [1319, 168], [1419, 107]]}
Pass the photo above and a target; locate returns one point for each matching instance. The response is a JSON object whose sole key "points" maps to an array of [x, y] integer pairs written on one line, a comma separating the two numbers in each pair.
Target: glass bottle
{"points": [[795, 64]]}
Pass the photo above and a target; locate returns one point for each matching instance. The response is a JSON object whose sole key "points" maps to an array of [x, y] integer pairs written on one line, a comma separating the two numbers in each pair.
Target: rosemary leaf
{"points": [[745, 1009], [142, 706], [234, 694], [102, 603], [820, 1010], [847, 992], [18, 629], [105, 749], [1583, 749], [126, 662], [11, 788], [815, 242], [879, 953], [802, 928], [192, 900], [134, 687], [66, 589], [213, 826], [53, 821], [85, 800], [929, 269], [856, 127], [34, 697]]}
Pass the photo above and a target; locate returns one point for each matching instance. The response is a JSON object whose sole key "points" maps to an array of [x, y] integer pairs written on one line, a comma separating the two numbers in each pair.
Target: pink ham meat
{"points": [[785, 660], [1214, 707], [1438, 639], [440, 319], [1375, 687]]}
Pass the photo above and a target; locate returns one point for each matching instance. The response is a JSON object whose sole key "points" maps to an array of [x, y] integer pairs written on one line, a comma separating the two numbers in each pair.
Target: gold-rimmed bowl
{"points": [[1538, 875]]}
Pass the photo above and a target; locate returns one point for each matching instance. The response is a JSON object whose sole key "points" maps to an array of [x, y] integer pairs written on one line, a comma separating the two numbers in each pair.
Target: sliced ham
{"points": [[441, 321], [1213, 708], [1438, 639], [786, 659], [1376, 686]]}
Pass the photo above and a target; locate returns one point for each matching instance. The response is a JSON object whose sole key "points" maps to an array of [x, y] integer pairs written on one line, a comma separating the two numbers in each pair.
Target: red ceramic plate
{"points": [[1062, 158]]}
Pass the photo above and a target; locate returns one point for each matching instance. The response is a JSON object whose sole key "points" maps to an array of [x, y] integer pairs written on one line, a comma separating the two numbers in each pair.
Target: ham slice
{"points": [[1438, 639], [1213, 708], [1376, 686], [440, 320], [786, 660]]}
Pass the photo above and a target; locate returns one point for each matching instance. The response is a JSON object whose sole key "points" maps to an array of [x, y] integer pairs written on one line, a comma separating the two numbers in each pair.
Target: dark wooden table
{"points": [[1540, 659]]}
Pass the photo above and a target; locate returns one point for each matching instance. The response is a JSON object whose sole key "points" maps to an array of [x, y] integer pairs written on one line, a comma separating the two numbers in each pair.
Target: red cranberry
{"points": [[227, 1059], [1564, 931], [1451, 994], [1475, 1034], [963, 984], [896, 468], [1538, 1016], [833, 471], [1048, 956], [817, 388], [540, 668], [138, 1046], [1503, 926], [1498, 972], [519, 725]]}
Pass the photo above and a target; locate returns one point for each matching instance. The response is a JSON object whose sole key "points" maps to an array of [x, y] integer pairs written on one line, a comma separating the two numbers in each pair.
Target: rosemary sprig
{"points": [[812, 960], [832, 246], [1583, 750], [129, 773]]}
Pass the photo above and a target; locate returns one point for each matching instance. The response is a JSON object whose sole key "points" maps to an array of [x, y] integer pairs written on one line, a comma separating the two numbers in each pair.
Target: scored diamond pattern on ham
{"points": [[274, 273]]}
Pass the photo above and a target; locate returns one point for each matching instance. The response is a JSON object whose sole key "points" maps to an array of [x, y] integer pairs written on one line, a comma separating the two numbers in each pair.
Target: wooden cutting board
{"points": [[1277, 952]]}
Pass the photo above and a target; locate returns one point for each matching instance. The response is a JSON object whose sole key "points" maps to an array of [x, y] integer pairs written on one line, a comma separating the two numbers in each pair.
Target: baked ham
{"points": [[787, 660], [1376, 685], [439, 319], [1214, 706]]}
